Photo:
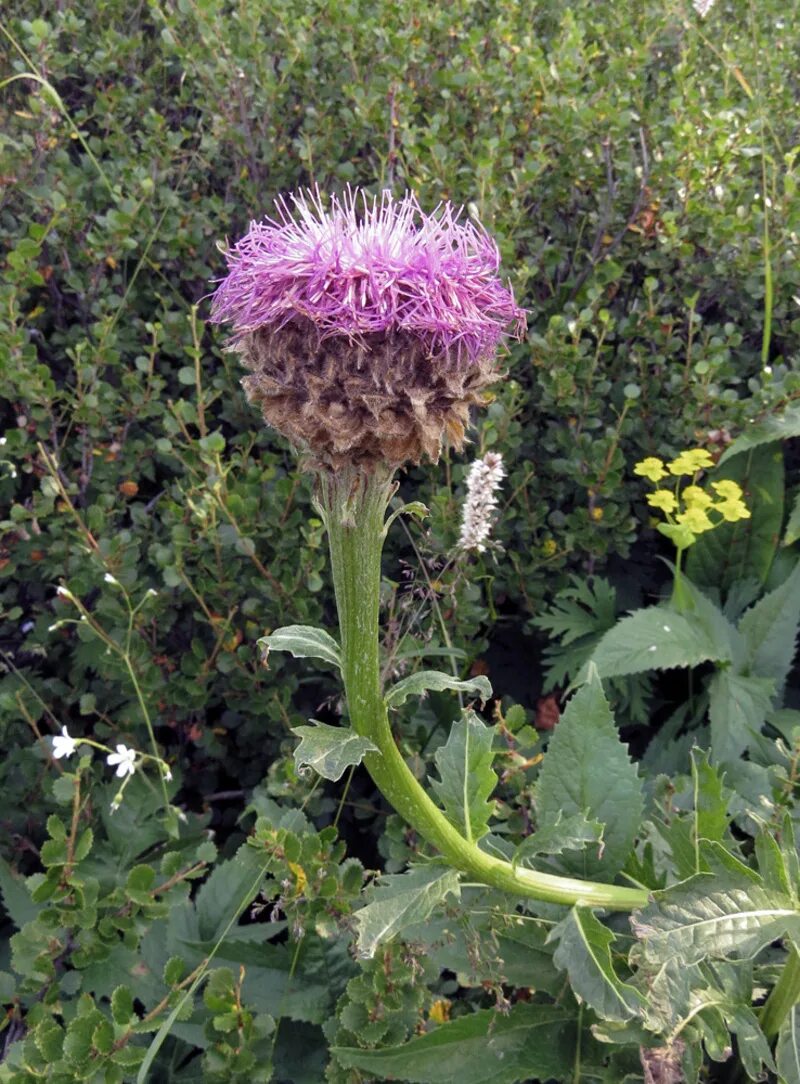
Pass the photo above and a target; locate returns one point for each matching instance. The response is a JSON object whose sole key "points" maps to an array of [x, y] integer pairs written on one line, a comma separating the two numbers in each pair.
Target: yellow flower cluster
{"points": [[689, 511]]}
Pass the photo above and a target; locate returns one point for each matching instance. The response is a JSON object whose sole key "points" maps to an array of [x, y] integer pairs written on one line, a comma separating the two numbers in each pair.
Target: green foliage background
{"points": [[638, 166]]}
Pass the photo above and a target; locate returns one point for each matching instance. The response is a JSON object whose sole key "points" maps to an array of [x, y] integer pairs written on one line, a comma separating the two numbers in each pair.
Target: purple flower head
{"points": [[368, 266]]}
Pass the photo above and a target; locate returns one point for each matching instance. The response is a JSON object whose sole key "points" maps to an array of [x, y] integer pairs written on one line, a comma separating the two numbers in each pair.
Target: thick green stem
{"points": [[784, 996], [355, 507]]}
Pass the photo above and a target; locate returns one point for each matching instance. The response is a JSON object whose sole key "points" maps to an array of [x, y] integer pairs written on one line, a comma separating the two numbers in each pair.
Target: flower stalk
{"points": [[354, 505]]}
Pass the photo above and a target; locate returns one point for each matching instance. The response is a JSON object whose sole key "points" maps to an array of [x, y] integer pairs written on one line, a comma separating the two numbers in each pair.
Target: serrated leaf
{"points": [[329, 750], [737, 709], [401, 901], [787, 1052], [122, 1005], [466, 778], [707, 820], [304, 642], [713, 916], [769, 630], [778, 427], [587, 772], [435, 681], [566, 833], [485, 1047], [584, 952], [792, 530], [745, 550], [658, 638]]}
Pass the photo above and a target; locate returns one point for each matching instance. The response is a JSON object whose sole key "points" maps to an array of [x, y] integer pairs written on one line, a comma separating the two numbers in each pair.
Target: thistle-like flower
{"points": [[370, 327], [483, 481]]}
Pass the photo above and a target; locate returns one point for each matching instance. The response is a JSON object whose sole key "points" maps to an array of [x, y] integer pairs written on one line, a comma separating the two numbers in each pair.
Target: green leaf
{"points": [[122, 1005], [713, 916], [659, 638], [708, 818], [745, 550], [787, 1052], [400, 901], [584, 952], [304, 642], [329, 750], [769, 631], [15, 896], [485, 1047], [751, 1042], [224, 894], [435, 681], [778, 427], [565, 833], [587, 772], [466, 777], [737, 708], [792, 530]]}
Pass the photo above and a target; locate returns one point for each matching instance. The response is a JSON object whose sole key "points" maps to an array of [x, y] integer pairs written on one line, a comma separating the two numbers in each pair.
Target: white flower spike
{"points": [[483, 480], [63, 744], [125, 760]]}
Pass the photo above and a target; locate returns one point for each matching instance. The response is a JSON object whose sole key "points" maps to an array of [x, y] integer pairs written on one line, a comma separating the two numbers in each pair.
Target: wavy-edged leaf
{"points": [[745, 550], [304, 642], [565, 833], [435, 681], [769, 631], [486, 1047], [329, 750], [466, 778], [713, 916], [584, 952], [400, 901], [737, 707], [658, 638], [787, 1052], [587, 772]]}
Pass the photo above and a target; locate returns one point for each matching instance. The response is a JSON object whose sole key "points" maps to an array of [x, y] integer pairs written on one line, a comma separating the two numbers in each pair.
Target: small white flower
{"points": [[2, 441], [116, 803], [64, 745], [111, 579], [483, 480], [151, 591], [125, 760], [64, 592], [167, 775]]}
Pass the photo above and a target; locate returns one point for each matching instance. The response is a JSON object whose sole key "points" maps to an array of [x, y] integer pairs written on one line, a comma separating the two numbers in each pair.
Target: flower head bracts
{"points": [[483, 481], [370, 266]]}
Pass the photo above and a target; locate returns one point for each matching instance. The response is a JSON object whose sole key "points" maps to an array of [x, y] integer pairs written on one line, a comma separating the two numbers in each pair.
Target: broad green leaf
{"points": [[435, 681], [329, 750], [587, 772], [658, 638], [15, 896], [769, 631], [787, 1052], [401, 900], [713, 916], [744, 550], [466, 778], [304, 642], [737, 708], [485, 1047], [751, 1042], [223, 894], [778, 427], [772, 864], [571, 833], [584, 952]]}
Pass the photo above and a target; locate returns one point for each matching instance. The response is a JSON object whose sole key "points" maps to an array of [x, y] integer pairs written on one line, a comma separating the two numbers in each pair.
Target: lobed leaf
{"points": [[330, 750], [435, 681], [400, 901], [304, 642], [466, 776]]}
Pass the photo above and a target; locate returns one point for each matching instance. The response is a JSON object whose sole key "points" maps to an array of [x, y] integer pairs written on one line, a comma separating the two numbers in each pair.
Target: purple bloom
{"points": [[370, 266]]}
